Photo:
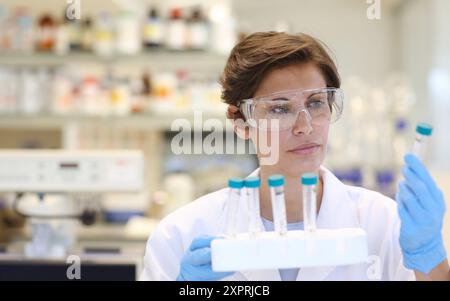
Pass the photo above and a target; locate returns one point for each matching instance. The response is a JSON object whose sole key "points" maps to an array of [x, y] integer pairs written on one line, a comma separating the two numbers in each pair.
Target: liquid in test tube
{"points": [[276, 184], [235, 186], [309, 183], [252, 188], [423, 133]]}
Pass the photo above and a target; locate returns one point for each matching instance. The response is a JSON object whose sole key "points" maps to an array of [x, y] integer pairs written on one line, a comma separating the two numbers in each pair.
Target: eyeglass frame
{"points": [[252, 101]]}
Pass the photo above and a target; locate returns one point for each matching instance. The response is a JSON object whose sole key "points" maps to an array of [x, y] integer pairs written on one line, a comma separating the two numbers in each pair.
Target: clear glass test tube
{"points": [[309, 184], [423, 134], [235, 186], [276, 184], [252, 185]]}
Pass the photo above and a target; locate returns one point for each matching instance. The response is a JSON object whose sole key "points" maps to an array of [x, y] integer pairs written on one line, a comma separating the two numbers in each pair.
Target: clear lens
{"points": [[336, 102], [281, 110]]}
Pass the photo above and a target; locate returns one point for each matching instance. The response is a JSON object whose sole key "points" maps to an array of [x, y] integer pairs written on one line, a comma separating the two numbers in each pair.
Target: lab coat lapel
{"points": [[336, 211]]}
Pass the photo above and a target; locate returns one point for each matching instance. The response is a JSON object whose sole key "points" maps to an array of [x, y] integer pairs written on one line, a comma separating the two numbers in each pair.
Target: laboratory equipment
{"points": [[291, 249], [276, 184], [49, 171], [235, 185], [423, 133], [252, 188], [309, 182], [53, 183]]}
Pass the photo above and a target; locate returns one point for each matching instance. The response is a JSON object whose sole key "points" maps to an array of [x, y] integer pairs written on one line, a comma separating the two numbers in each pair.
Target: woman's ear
{"points": [[241, 128]]}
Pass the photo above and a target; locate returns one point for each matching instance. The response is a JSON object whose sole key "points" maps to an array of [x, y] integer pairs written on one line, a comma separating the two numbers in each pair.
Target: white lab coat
{"points": [[342, 206]]}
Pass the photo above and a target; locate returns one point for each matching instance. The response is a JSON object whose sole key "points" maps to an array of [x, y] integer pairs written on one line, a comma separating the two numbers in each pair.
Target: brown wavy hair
{"points": [[257, 54]]}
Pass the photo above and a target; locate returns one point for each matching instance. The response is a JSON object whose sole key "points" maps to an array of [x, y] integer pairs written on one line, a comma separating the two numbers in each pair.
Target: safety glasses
{"points": [[281, 110]]}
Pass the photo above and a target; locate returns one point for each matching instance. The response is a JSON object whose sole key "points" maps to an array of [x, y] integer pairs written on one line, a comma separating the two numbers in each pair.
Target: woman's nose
{"points": [[303, 124]]}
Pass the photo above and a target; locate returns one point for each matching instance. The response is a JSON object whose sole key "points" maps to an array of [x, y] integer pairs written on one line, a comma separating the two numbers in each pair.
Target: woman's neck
{"points": [[293, 197]]}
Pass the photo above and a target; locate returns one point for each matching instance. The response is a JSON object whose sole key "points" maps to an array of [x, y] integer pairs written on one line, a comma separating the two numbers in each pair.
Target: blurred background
{"points": [[104, 75]]}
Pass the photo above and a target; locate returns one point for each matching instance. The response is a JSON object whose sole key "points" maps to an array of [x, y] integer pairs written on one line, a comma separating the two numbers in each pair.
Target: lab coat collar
{"points": [[337, 210]]}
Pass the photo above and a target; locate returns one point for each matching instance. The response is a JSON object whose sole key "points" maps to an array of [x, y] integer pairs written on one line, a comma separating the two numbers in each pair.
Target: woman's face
{"points": [[302, 148]]}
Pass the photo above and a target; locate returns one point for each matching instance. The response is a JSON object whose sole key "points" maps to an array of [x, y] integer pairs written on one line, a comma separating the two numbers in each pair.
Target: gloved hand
{"points": [[196, 262], [421, 207]]}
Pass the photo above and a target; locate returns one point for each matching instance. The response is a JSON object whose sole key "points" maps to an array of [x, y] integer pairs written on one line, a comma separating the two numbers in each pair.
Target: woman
{"points": [[291, 79]]}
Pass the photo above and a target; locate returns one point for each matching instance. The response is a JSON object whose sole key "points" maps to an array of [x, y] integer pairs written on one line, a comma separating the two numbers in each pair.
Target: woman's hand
{"points": [[421, 207], [196, 262]]}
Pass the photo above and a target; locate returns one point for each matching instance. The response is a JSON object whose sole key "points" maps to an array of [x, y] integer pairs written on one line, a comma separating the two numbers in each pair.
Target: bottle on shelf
{"points": [[128, 39], [197, 31], [62, 96], [87, 35], [90, 100], [141, 92], [24, 31], [8, 29], [154, 31], [176, 30], [46, 33], [104, 35], [223, 27], [120, 103], [75, 35], [62, 45], [33, 90]]}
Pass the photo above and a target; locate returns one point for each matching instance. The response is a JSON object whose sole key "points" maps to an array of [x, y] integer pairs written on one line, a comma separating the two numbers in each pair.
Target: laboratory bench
{"points": [[106, 252]]}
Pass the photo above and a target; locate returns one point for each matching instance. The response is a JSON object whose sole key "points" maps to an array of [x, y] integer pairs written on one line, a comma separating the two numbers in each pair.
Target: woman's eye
{"points": [[316, 104], [281, 109]]}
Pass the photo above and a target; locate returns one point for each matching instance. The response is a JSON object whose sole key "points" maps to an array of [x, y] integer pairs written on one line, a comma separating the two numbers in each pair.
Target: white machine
{"points": [[54, 183], [48, 171]]}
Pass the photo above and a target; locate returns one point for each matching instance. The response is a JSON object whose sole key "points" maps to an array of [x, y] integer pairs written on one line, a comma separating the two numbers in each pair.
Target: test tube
{"points": [[309, 182], [423, 133], [276, 184], [235, 186], [252, 187]]}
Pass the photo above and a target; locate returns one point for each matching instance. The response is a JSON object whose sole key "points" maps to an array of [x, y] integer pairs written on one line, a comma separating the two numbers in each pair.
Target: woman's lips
{"points": [[305, 149]]}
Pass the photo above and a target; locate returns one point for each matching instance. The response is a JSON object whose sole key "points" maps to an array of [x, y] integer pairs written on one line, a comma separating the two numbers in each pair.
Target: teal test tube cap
{"points": [[424, 129], [309, 179], [276, 181], [252, 182], [236, 183]]}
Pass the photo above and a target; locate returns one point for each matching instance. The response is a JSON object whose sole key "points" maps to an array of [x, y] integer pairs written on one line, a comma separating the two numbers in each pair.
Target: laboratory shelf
{"points": [[160, 59], [150, 121]]}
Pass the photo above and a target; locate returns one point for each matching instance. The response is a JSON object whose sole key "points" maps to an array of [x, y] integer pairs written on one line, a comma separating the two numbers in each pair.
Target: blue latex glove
{"points": [[421, 207], [196, 262]]}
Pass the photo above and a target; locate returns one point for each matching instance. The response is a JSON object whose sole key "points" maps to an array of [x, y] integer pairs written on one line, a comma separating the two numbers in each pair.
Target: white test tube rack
{"points": [[292, 249]]}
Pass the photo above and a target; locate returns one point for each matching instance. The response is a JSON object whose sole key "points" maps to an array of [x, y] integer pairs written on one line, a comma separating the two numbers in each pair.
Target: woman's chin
{"points": [[295, 166], [298, 167]]}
